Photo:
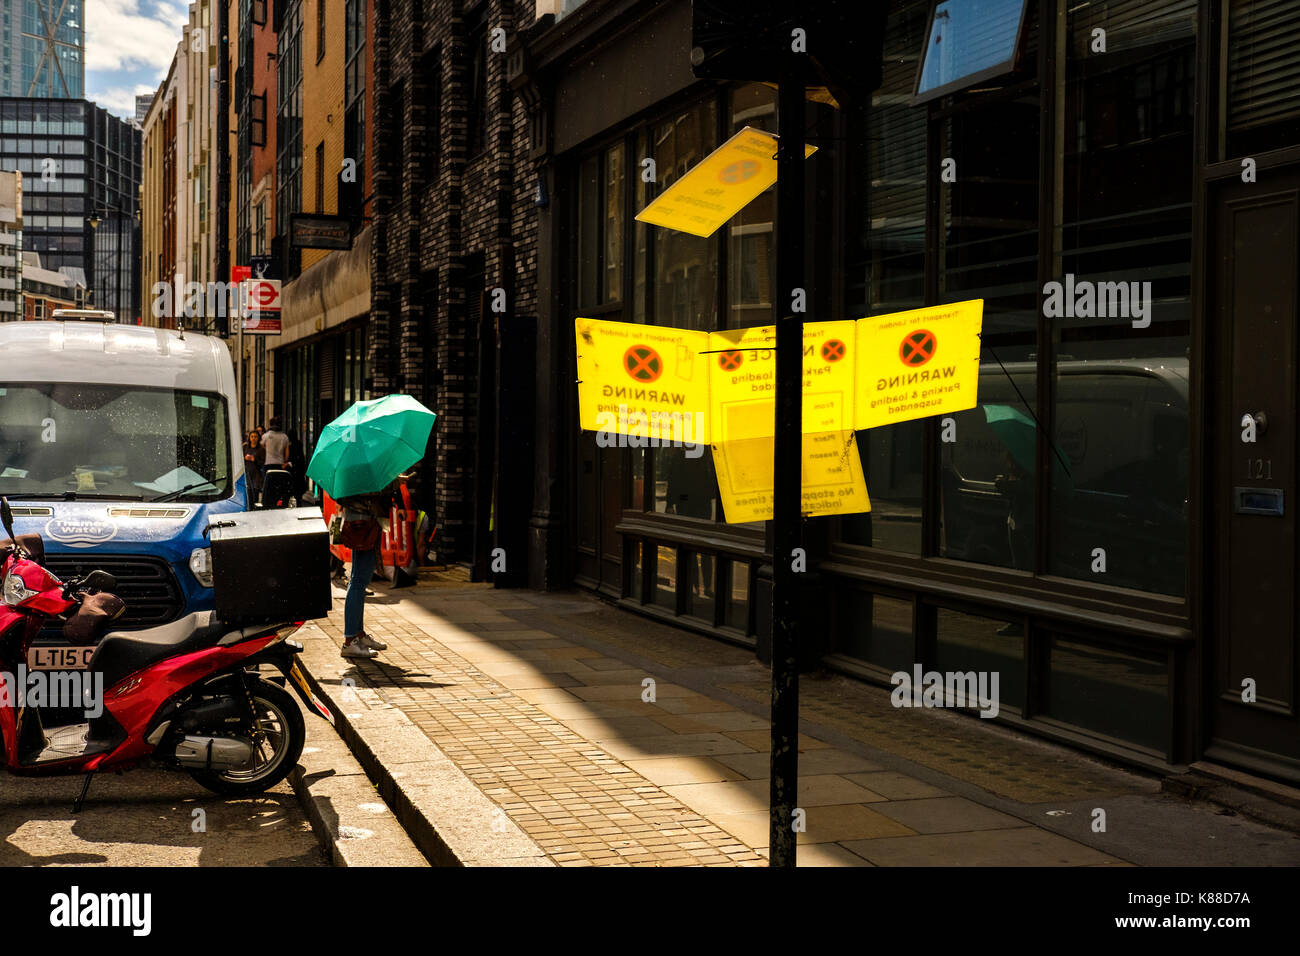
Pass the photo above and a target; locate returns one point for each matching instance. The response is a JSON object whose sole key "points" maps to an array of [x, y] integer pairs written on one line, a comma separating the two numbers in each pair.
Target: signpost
{"points": [[787, 520]]}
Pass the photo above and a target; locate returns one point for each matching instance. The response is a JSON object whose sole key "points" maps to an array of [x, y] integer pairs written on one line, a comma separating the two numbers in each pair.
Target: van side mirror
{"points": [[7, 516]]}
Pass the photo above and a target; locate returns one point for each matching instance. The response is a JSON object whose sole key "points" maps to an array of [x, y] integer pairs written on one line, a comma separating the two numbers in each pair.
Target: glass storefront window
{"points": [[736, 611], [874, 629], [751, 247], [614, 201], [989, 250], [1120, 694], [601, 200], [1263, 111], [634, 570], [969, 642], [665, 592], [885, 264], [638, 479], [685, 266], [701, 597], [684, 485], [588, 231], [640, 233], [1121, 427]]}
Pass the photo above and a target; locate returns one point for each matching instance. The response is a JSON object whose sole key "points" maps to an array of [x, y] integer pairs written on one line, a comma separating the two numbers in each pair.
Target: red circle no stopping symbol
{"points": [[643, 363], [730, 361], [738, 171], [833, 350], [917, 348]]}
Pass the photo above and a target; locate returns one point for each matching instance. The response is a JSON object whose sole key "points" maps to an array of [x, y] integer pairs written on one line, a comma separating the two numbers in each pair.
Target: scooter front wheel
{"points": [[276, 751]]}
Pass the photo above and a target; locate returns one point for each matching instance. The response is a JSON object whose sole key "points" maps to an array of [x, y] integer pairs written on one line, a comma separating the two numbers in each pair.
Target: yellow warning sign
{"points": [[919, 363], [832, 484], [719, 185], [742, 380], [643, 380]]}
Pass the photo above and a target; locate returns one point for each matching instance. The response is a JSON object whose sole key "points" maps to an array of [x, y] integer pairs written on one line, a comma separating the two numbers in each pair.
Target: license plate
{"points": [[58, 657]]}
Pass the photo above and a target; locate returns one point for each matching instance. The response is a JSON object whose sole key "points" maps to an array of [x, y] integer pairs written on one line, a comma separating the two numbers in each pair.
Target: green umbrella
{"points": [[1019, 433], [369, 445]]}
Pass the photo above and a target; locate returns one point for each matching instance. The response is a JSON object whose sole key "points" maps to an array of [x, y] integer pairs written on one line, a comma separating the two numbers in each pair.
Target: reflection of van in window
{"points": [[1119, 472], [118, 444]]}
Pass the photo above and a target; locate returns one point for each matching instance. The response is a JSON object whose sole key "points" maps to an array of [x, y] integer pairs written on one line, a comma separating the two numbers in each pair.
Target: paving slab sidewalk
{"points": [[528, 728]]}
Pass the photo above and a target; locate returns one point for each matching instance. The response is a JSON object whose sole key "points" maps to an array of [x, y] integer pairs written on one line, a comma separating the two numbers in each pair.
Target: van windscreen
{"points": [[112, 441]]}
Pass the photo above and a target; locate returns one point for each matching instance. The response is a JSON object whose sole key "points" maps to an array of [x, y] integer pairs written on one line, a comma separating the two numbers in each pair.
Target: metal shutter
{"points": [[1263, 62]]}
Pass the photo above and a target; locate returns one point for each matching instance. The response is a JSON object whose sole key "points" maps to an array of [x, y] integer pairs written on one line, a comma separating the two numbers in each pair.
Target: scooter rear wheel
{"points": [[284, 733]]}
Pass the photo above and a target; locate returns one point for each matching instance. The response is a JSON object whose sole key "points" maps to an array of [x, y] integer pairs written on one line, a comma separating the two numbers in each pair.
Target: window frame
{"points": [[1001, 68]]}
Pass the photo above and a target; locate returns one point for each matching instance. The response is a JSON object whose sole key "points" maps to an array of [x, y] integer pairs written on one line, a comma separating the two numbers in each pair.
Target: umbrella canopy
{"points": [[1018, 432], [369, 445]]}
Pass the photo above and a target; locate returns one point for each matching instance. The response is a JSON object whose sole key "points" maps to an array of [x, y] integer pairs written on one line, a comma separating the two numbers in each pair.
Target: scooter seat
{"points": [[124, 652]]}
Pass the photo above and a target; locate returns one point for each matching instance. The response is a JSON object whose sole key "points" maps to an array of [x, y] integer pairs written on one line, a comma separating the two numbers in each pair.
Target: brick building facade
{"points": [[454, 222]]}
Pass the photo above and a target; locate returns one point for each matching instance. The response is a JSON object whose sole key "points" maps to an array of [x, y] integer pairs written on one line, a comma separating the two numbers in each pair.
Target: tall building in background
{"points": [[43, 49], [179, 190], [11, 246], [81, 177], [142, 103], [159, 194]]}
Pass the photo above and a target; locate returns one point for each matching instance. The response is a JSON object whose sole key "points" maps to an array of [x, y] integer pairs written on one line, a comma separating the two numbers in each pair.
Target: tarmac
{"points": [[524, 728]]}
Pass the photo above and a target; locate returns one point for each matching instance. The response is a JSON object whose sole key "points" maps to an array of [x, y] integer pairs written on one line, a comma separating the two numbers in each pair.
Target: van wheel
{"points": [[274, 755]]}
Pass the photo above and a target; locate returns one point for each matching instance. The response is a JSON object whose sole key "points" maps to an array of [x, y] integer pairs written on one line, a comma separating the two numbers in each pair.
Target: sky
{"points": [[129, 45]]}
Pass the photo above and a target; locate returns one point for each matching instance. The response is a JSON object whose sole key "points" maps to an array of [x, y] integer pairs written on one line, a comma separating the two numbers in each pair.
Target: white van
{"points": [[118, 445]]}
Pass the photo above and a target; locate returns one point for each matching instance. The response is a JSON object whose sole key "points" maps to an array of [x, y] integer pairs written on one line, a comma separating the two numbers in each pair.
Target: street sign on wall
{"points": [[260, 306], [315, 231]]}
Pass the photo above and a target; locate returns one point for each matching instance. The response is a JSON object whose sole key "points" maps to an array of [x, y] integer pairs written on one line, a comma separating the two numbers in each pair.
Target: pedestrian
{"points": [[254, 462], [296, 462], [364, 520], [276, 444]]}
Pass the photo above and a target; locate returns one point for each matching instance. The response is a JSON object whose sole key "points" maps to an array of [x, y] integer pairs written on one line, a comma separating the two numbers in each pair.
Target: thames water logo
{"points": [[80, 532]]}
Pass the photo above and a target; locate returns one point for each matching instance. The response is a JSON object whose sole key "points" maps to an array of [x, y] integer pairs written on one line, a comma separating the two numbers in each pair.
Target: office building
{"points": [[81, 176], [43, 49], [11, 246]]}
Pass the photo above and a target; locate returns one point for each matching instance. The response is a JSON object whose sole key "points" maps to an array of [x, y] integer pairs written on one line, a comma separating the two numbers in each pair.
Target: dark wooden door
{"points": [[1256, 255], [600, 506]]}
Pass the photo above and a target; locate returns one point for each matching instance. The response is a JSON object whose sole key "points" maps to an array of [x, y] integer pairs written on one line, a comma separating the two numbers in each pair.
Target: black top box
{"points": [[270, 566]]}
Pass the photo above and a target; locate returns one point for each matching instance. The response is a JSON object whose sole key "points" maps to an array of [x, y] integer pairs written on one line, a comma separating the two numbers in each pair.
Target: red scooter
{"points": [[183, 696]]}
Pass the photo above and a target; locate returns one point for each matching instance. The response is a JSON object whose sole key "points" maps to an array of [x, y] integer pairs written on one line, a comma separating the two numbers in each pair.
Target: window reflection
{"points": [[889, 274], [684, 485], [751, 251], [685, 292], [986, 468], [612, 272], [989, 232], [737, 608], [1119, 479], [875, 629]]}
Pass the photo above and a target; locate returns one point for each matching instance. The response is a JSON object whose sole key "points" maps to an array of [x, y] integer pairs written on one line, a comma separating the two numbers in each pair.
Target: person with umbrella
{"points": [[359, 457]]}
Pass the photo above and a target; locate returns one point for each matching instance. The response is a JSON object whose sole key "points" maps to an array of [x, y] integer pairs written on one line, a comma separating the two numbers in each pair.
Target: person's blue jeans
{"points": [[354, 607]]}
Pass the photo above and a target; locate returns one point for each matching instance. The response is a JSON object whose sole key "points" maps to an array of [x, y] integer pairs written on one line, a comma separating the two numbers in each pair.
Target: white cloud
{"points": [[128, 35], [120, 100]]}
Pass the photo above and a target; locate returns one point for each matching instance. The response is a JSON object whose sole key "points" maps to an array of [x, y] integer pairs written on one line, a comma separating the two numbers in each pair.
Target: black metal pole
{"points": [[787, 510]]}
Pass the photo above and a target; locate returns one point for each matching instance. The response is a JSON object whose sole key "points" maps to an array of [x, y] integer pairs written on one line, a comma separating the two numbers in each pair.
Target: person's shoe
{"points": [[354, 648], [365, 640]]}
